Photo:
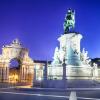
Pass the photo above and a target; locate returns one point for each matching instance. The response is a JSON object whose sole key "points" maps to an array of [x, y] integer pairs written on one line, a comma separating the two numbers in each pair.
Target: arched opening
{"points": [[14, 70], [14, 63]]}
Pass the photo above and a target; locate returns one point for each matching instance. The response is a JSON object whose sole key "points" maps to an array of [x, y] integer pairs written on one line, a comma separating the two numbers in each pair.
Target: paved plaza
{"points": [[48, 94]]}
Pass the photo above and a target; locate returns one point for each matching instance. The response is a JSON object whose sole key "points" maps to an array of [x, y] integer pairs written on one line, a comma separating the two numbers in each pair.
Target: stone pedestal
{"points": [[70, 48], [69, 67]]}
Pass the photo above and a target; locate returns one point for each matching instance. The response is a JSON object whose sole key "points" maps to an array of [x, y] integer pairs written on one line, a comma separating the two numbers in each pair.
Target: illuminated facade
{"points": [[39, 70], [24, 72]]}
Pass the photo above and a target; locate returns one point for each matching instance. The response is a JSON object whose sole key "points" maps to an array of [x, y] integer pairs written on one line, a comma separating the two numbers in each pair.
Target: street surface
{"points": [[17, 94]]}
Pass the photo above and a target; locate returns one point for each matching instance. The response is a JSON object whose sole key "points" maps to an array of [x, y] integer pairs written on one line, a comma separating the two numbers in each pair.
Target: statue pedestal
{"points": [[74, 71], [70, 48], [74, 76]]}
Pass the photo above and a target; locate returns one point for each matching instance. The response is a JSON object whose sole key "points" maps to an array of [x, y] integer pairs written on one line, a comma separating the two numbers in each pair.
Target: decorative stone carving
{"points": [[84, 57], [56, 56]]}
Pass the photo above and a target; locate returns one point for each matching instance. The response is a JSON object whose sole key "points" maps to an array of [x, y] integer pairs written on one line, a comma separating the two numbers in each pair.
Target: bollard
{"points": [[73, 96]]}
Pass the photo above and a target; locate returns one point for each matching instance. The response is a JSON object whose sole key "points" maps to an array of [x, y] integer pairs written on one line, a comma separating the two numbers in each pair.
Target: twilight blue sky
{"points": [[38, 24]]}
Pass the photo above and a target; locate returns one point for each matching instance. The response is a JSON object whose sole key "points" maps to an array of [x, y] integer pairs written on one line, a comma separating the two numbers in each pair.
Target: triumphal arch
{"points": [[15, 64]]}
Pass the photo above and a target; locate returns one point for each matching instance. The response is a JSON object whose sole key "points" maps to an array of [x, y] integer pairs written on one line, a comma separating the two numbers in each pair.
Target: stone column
{"points": [[64, 74], [21, 74], [24, 73], [27, 73], [34, 74], [0, 74], [45, 71], [4, 74], [45, 75], [7, 74], [64, 71]]}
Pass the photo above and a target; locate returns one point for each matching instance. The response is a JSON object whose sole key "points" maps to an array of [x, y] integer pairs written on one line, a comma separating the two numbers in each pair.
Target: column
{"points": [[0, 74], [34, 79], [24, 74], [64, 75], [64, 71], [4, 74], [21, 74], [7, 74], [45, 72]]}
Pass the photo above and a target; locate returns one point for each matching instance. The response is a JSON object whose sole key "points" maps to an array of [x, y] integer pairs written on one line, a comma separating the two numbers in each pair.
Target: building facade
{"points": [[24, 71]]}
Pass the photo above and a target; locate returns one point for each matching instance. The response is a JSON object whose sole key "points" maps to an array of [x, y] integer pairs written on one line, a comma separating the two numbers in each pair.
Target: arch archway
{"points": [[15, 62], [14, 70]]}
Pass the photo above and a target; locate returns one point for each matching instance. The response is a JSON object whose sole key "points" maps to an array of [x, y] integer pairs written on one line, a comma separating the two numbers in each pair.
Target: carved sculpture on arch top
{"points": [[23, 72]]}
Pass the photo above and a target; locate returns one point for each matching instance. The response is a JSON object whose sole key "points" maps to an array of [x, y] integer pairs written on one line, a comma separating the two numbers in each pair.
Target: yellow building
{"points": [[24, 71]]}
